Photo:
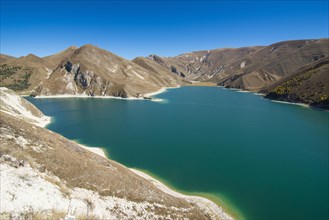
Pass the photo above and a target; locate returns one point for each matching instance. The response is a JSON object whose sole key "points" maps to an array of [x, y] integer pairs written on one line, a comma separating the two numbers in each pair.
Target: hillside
{"points": [[307, 85], [248, 68], [92, 71], [5, 58], [87, 70], [25, 73], [46, 176], [202, 65]]}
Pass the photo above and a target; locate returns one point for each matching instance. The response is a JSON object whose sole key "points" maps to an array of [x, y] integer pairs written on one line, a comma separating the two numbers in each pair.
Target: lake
{"points": [[264, 160]]}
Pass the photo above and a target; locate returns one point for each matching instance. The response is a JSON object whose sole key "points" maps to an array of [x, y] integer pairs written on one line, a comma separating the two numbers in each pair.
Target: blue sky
{"points": [[166, 28]]}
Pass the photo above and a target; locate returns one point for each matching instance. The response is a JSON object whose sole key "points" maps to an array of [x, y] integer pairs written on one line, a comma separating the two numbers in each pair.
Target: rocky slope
{"points": [[21, 109], [46, 176], [309, 85], [87, 70], [249, 68]]}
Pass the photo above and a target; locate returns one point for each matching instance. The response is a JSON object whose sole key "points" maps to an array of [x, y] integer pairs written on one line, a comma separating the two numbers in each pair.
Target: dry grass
{"points": [[28, 215], [77, 167]]}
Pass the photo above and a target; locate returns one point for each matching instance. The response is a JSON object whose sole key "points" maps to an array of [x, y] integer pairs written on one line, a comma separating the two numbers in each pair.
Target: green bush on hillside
{"points": [[24, 74]]}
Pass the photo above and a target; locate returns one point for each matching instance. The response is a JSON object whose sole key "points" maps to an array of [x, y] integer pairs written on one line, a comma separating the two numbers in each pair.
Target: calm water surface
{"points": [[266, 160]]}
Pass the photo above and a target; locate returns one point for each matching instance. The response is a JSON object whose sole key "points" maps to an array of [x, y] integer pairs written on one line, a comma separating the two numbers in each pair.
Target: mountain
{"points": [[87, 70], [93, 71], [249, 68], [307, 85], [57, 58], [202, 65], [46, 176]]}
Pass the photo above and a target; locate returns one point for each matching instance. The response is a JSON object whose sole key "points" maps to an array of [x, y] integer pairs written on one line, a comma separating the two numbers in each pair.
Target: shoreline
{"points": [[272, 100], [291, 103], [211, 207], [161, 90], [96, 150], [84, 96], [201, 83]]}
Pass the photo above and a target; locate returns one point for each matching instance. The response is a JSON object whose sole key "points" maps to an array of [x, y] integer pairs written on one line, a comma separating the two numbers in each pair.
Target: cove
{"points": [[265, 160]]}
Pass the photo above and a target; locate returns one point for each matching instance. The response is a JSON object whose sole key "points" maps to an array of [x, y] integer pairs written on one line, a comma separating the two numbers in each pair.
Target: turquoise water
{"points": [[266, 160]]}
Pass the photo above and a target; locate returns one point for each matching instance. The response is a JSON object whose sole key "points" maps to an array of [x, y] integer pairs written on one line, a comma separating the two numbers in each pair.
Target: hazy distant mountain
{"points": [[250, 68]]}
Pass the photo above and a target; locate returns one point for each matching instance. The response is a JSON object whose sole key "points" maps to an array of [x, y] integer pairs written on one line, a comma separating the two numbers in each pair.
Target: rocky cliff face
{"points": [[46, 176]]}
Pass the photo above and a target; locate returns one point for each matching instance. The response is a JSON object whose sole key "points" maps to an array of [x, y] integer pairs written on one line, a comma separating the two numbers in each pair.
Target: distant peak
{"points": [[87, 46], [73, 48], [32, 56]]}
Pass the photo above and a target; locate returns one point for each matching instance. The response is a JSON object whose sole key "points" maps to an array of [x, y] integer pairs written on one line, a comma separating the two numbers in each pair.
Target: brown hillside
{"points": [[307, 85]]}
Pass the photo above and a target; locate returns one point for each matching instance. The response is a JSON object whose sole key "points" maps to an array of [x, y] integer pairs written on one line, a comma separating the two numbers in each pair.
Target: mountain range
{"points": [[92, 71]]}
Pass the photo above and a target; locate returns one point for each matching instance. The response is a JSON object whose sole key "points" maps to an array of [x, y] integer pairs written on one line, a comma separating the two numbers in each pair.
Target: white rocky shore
{"points": [[16, 106], [28, 193], [84, 95], [24, 190], [205, 204]]}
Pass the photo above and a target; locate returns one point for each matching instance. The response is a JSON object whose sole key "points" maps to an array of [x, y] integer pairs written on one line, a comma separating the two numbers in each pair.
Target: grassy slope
{"points": [[308, 85]]}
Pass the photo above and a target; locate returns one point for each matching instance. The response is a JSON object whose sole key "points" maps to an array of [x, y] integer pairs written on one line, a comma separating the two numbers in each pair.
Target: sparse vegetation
{"points": [[307, 86], [15, 77]]}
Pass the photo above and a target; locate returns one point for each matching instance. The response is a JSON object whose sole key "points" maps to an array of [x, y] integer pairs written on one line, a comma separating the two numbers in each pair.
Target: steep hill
{"points": [[57, 58], [93, 71], [307, 85], [87, 70], [46, 176]]}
